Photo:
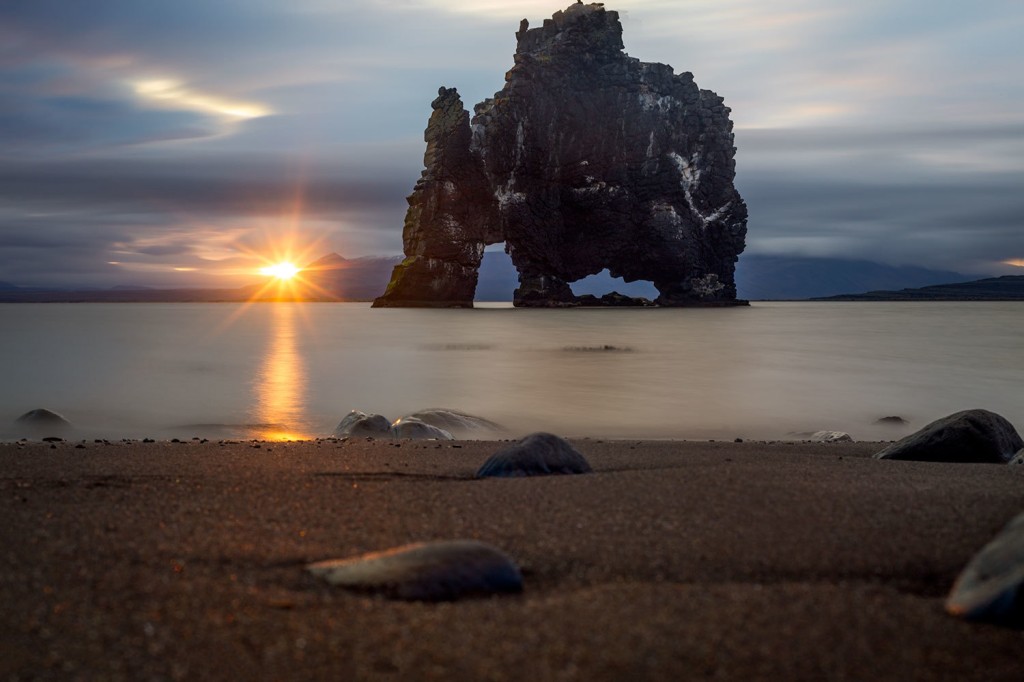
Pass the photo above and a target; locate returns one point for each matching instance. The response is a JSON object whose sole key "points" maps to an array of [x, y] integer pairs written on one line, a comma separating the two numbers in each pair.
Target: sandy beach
{"points": [[673, 560]]}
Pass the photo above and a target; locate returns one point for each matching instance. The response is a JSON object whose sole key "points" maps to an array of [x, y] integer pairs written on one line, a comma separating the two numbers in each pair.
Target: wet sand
{"points": [[674, 560]]}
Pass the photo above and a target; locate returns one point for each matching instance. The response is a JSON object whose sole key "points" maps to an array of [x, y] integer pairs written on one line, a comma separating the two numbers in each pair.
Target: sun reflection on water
{"points": [[280, 385]]}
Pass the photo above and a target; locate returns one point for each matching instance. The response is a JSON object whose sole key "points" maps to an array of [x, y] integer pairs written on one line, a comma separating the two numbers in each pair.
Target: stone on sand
{"points": [[539, 454], [989, 588], [358, 423], [977, 436], [410, 427], [431, 571]]}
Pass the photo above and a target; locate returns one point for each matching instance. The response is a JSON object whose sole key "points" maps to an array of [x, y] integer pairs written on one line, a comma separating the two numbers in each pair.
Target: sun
{"points": [[282, 271]]}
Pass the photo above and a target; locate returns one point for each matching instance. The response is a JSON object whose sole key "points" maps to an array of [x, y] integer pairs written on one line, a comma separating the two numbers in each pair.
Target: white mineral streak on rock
{"points": [[663, 103], [689, 180], [708, 285], [650, 147]]}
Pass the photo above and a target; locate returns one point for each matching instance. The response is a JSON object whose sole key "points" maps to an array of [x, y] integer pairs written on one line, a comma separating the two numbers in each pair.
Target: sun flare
{"points": [[283, 271]]}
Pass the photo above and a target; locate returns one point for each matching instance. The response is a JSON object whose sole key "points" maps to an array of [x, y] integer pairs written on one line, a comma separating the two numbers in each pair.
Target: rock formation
{"points": [[587, 159]]}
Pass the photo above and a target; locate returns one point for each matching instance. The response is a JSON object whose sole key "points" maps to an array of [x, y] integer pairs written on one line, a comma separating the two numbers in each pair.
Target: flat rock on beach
{"points": [[426, 571], [672, 560]]}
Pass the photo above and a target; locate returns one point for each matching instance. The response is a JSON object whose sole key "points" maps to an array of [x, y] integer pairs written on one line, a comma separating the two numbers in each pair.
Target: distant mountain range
{"points": [[758, 278], [1006, 288], [336, 278]]}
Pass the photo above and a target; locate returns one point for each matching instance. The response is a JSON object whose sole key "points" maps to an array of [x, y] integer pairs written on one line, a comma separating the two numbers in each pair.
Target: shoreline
{"points": [[673, 560]]}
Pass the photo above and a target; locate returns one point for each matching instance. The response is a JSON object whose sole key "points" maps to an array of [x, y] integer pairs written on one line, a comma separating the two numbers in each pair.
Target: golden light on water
{"points": [[280, 385]]}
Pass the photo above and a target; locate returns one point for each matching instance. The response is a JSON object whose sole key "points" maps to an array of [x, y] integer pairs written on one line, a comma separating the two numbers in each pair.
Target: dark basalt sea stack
{"points": [[587, 159]]}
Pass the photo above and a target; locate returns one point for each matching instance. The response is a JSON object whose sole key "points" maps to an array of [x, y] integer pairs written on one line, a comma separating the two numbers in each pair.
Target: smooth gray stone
{"points": [[989, 587], [539, 454], [977, 436], [456, 423], [431, 571], [42, 417], [408, 427], [358, 423]]}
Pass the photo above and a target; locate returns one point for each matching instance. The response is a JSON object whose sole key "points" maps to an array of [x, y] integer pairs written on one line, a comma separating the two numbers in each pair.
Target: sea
{"points": [[290, 371]]}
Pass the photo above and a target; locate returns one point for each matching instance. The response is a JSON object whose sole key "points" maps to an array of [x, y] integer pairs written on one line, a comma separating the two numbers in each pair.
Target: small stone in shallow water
{"points": [[456, 423], [831, 437], [539, 454], [426, 571], [358, 423], [410, 427], [990, 586], [42, 417]]}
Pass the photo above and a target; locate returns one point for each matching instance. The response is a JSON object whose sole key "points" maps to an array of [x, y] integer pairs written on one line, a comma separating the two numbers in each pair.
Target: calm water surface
{"points": [[293, 370]]}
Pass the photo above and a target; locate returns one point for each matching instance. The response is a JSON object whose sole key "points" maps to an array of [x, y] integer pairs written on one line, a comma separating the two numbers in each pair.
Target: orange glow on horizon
{"points": [[1016, 262]]}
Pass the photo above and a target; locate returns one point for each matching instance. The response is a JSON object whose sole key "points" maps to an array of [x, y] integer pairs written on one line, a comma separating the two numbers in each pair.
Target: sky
{"points": [[186, 143]]}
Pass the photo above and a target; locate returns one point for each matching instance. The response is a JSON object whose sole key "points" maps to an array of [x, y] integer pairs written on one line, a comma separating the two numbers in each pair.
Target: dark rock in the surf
{"points": [[991, 586], [358, 423], [414, 429], [457, 423], [42, 417], [977, 436], [539, 454], [434, 571], [588, 159], [891, 421]]}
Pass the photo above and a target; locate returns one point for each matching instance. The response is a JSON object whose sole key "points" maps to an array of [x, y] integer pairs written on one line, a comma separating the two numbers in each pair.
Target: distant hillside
{"points": [[758, 278], [796, 278], [336, 278], [331, 278], [1007, 288]]}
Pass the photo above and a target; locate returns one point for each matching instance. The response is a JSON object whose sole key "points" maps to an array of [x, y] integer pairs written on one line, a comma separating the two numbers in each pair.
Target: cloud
{"points": [[892, 131]]}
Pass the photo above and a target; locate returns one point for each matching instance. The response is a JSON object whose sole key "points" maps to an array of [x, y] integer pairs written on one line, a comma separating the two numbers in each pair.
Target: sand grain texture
{"points": [[673, 560]]}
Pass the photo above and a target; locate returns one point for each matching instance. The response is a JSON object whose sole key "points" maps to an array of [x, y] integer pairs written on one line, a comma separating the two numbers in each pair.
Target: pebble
{"points": [[539, 454], [990, 586], [426, 571]]}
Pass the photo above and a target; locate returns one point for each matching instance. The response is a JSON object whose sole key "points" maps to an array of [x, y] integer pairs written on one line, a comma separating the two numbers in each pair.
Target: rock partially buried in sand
{"points": [[358, 423], [455, 422], [409, 427], [432, 571], [42, 418], [831, 437], [989, 588], [539, 454], [977, 436]]}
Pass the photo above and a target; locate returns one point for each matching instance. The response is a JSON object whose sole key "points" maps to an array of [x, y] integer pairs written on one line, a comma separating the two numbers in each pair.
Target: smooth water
{"points": [[293, 370]]}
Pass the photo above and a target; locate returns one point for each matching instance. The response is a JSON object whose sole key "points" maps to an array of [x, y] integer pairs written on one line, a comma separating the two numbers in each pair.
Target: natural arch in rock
{"points": [[587, 159]]}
